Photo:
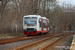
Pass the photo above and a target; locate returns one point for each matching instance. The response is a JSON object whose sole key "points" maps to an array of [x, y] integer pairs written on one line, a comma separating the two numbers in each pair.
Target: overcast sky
{"points": [[67, 1]]}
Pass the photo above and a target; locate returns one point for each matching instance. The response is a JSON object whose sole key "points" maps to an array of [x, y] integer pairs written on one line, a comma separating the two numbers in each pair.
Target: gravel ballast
{"points": [[65, 42], [62, 44], [9, 46]]}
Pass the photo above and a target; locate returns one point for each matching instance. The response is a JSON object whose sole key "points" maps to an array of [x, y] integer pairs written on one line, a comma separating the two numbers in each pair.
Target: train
{"points": [[35, 25]]}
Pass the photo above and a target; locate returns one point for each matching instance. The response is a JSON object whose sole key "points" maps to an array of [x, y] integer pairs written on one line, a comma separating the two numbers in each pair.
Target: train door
{"points": [[42, 25]]}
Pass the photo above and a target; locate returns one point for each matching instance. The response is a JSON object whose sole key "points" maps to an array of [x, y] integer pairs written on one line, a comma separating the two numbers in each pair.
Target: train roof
{"points": [[32, 16], [44, 17]]}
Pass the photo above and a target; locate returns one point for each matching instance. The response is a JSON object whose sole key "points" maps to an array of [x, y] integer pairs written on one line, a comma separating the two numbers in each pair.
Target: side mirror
{"points": [[39, 20]]}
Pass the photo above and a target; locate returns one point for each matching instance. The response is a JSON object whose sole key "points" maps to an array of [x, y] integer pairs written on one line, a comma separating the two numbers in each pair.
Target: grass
{"points": [[16, 34], [4, 35], [11, 34]]}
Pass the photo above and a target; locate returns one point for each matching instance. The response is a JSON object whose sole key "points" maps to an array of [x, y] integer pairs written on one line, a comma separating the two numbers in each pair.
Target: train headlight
{"points": [[25, 27], [35, 26]]}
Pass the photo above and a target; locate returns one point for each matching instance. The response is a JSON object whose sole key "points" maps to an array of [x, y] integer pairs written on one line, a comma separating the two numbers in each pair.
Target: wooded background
{"points": [[61, 17]]}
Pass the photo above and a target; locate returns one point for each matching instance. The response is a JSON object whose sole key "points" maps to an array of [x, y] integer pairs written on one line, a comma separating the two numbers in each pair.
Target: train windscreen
{"points": [[30, 21]]}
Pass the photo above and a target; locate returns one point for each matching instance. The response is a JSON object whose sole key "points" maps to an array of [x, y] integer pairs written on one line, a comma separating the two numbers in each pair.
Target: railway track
{"points": [[45, 43], [4, 41], [15, 39], [47, 47]]}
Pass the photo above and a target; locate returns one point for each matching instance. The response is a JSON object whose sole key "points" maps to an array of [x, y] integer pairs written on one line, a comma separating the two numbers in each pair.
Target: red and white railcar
{"points": [[35, 24]]}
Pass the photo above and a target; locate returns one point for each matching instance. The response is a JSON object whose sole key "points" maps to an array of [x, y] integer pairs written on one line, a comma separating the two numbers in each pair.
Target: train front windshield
{"points": [[30, 21]]}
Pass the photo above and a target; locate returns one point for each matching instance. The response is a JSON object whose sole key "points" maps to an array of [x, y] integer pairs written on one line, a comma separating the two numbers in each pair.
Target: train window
{"points": [[30, 17]]}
